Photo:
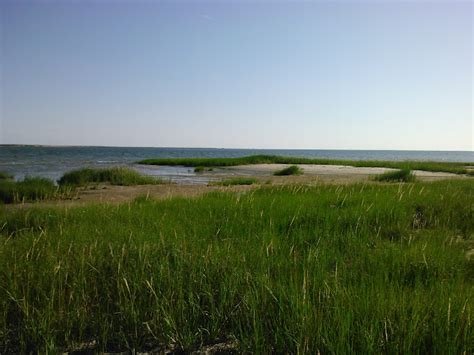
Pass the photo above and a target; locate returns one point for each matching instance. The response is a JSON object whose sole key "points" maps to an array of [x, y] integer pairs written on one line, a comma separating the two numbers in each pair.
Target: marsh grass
{"points": [[291, 170], [201, 169], [31, 189], [403, 175], [114, 176], [237, 181], [5, 176], [365, 268], [450, 167]]}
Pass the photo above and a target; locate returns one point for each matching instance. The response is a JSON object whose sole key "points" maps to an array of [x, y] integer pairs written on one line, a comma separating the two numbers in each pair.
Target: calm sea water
{"points": [[53, 162]]}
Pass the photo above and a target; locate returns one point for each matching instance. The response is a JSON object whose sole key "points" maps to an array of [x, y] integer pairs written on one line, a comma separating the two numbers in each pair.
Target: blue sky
{"points": [[238, 74]]}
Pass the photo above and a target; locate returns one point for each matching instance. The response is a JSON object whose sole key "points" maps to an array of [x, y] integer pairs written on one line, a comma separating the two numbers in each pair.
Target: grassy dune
{"points": [[337, 269], [456, 168], [5, 176], [39, 189], [403, 175], [31, 189], [114, 176]]}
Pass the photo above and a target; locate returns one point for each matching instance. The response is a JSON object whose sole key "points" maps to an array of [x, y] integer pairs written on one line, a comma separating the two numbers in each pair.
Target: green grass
{"points": [[237, 181], [291, 170], [365, 268], [114, 176], [5, 176], [201, 169], [31, 189], [456, 168], [404, 175]]}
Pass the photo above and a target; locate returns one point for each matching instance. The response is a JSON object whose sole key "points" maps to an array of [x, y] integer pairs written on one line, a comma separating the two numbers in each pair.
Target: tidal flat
{"points": [[362, 267]]}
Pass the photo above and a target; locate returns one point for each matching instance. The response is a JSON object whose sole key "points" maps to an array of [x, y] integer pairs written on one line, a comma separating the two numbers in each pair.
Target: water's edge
{"points": [[53, 162]]}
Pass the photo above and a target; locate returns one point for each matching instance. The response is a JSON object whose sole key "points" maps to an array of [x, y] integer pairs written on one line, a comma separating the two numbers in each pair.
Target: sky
{"points": [[238, 74]]}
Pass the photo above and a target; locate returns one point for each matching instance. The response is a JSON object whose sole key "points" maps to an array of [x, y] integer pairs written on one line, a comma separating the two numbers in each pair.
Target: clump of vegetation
{"points": [[450, 167], [285, 269], [210, 162], [5, 176], [237, 181], [201, 169], [403, 175], [30, 189], [114, 176], [291, 170]]}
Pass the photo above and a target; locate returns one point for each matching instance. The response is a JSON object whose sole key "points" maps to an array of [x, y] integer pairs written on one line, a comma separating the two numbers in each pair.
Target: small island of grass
{"points": [[114, 176], [448, 167], [403, 175], [291, 170], [31, 189]]}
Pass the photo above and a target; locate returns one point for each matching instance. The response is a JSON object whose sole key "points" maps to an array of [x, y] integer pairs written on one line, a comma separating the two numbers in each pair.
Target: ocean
{"points": [[53, 162]]}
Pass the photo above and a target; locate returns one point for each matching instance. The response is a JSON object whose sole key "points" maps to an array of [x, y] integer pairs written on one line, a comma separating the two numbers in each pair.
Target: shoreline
{"points": [[208, 182]]}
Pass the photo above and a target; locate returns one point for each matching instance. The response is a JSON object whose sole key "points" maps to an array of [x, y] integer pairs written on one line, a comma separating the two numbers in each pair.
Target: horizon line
{"points": [[221, 148]]}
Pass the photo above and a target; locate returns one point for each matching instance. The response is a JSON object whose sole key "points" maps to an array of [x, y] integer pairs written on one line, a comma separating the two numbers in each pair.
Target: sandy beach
{"points": [[332, 171], [263, 173]]}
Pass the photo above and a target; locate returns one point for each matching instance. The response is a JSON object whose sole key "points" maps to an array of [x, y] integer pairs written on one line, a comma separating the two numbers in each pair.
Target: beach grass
{"points": [[114, 176], [450, 167], [332, 269], [5, 176], [403, 175], [291, 170], [201, 169], [31, 189], [237, 181]]}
